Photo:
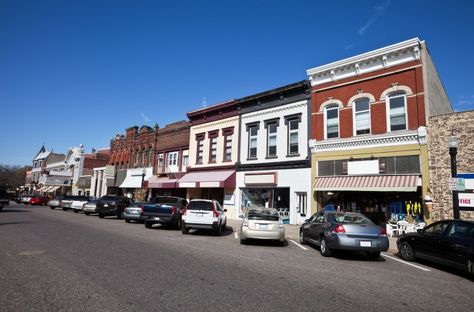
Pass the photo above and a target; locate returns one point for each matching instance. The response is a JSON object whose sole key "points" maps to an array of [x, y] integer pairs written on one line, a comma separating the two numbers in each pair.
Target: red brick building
{"points": [[369, 117]]}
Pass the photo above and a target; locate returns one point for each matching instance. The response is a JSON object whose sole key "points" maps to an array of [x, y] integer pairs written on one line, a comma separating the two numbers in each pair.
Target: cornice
{"points": [[385, 57], [391, 139], [278, 109]]}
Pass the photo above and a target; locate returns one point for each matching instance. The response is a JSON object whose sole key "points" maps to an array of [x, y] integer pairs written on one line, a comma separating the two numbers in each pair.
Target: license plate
{"points": [[263, 226], [365, 244], [134, 212], [199, 214], [156, 218]]}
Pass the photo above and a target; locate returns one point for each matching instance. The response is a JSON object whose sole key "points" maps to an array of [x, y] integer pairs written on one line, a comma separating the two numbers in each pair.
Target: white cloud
{"points": [[145, 118], [464, 103], [348, 47], [379, 10], [204, 102]]}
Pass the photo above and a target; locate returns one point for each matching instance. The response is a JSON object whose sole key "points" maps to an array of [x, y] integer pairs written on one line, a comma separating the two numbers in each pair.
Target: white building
{"points": [[274, 167]]}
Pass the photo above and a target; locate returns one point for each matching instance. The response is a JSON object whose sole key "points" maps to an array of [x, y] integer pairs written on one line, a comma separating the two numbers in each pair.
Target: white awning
{"points": [[135, 177]]}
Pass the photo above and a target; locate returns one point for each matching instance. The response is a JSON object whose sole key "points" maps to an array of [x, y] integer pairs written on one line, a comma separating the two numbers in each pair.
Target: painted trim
{"points": [[396, 88], [330, 101], [387, 111]]}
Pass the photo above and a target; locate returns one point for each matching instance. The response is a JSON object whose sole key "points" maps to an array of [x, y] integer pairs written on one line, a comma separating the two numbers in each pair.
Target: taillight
{"points": [[383, 231], [339, 229], [142, 208], [173, 209], [214, 212]]}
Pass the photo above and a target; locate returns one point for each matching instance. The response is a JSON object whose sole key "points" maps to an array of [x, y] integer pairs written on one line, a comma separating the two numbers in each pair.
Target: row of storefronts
{"points": [[351, 137]]}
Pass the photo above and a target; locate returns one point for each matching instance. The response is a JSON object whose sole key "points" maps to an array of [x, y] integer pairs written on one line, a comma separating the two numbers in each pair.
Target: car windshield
{"points": [[200, 205], [165, 200], [137, 204], [348, 218], [109, 197], [263, 214]]}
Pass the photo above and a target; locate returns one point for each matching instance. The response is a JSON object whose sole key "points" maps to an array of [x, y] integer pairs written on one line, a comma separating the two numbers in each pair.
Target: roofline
{"points": [[213, 107], [295, 85]]}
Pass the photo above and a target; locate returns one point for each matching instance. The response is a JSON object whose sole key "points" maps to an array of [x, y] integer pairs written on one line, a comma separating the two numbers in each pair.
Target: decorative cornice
{"points": [[280, 109], [385, 57], [216, 123], [391, 139]]}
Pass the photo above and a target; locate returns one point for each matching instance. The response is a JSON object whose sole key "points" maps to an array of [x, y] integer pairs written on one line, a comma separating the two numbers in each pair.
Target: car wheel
{"points": [[373, 255], [51, 207], [126, 220], [65, 209], [101, 216], [148, 225], [224, 227], [323, 248], [406, 251], [470, 266], [76, 211], [184, 229], [218, 231], [243, 241], [178, 223], [87, 213], [119, 215], [302, 238]]}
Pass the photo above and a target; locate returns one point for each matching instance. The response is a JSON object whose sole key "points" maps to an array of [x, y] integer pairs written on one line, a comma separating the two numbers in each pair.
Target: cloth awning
{"points": [[218, 178], [53, 189], [121, 175], [42, 189], [379, 183], [135, 177], [161, 182]]}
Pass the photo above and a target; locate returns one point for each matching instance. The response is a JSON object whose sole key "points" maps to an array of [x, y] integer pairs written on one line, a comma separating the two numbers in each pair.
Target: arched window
{"points": [[361, 109], [142, 163], [397, 111], [130, 161], [137, 157], [150, 156], [331, 120]]}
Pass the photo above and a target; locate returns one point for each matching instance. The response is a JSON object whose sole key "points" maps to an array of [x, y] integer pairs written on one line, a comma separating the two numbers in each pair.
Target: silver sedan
{"points": [[262, 224]]}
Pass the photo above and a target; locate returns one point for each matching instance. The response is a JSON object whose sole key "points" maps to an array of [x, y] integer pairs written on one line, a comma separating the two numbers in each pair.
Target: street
{"points": [[54, 260]]}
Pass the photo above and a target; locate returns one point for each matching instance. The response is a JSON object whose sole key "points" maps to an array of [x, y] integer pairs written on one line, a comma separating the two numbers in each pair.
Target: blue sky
{"points": [[79, 72]]}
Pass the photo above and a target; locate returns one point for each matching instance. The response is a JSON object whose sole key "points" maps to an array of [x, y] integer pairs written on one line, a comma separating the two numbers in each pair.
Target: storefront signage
{"points": [[364, 167], [456, 184], [269, 178], [466, 200]]}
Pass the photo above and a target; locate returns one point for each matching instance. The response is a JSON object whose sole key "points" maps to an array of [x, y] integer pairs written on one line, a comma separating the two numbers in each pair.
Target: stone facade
{"points": [[440, 129]]}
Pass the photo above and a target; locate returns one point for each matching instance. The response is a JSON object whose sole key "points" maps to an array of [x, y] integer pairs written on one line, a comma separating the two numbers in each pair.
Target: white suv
{"points": [[204, 214]]}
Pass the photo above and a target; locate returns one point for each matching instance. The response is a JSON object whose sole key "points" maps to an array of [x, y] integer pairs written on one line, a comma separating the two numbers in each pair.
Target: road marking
{"points": [[299, 245], [236, 235], [407, 263]]}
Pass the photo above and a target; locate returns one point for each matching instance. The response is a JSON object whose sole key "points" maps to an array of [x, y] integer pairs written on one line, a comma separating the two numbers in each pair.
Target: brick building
{"points": [[440, 129], [369, 117]]}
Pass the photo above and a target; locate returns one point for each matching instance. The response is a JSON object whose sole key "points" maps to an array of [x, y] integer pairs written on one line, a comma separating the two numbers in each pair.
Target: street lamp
{"points": [[143, 176], [453, 151]]}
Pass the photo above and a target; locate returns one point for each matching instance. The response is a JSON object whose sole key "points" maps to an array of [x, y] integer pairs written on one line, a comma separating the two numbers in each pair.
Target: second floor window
{"points": [[137, 157], [362, 116], [331, 116], [143, 158], [172, 159], [272, 139], [293, 128], [253, 130], [397, 111], [228, 147], [200, 151], [185, 161], [150, 156], [213, 150]]}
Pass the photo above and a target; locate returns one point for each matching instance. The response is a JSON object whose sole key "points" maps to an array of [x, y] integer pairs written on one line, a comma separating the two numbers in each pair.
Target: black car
{"points": [[110, 205], [447, 242]]}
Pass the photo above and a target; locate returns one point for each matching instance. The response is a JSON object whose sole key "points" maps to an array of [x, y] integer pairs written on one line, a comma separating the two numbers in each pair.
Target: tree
{"points": [[12, 177]]}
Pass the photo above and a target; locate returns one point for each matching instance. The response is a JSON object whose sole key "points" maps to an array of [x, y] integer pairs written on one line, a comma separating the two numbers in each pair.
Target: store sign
{"points": [[260, 178], [363, 167], [457, 184], [466, 200]]}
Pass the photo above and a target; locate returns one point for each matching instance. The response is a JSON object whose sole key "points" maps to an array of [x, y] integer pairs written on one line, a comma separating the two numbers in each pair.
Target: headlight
{"points": [[106, 205]]}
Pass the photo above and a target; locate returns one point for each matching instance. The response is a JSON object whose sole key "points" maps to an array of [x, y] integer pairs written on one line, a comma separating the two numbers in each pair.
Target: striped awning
{"points": [[379, 183]]}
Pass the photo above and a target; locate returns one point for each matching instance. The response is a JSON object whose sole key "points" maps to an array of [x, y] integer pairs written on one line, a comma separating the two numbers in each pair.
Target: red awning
{"points": [[211, 179], [379, 183], [161, 182]]}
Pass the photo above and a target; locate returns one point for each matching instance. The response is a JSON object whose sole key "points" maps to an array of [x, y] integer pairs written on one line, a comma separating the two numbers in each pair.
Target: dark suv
{"points": [[111, 205]]}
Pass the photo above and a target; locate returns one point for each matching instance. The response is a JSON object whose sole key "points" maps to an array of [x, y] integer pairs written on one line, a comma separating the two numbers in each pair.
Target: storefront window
{"points": [[278, 198]]}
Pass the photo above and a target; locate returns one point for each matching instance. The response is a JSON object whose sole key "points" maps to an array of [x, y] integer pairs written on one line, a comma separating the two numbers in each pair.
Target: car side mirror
{"points": [[419, 231], [306, 221]]}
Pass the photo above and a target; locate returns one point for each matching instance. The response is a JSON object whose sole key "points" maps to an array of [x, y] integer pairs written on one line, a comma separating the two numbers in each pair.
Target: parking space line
{"points": [[299, 245], [407, 263]]}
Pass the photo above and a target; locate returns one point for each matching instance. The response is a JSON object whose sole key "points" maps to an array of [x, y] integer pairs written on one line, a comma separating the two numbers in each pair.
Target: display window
{"points": [[278, 198]]}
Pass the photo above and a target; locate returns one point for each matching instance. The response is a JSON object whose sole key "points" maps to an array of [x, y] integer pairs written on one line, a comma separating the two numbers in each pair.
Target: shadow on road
{"points": [[265, 243], [200, 232], [5, 210], [14, 223]]}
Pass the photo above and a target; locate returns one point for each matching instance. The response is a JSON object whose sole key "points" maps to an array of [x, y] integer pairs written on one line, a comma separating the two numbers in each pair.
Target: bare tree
{"points": [[12, 177]]}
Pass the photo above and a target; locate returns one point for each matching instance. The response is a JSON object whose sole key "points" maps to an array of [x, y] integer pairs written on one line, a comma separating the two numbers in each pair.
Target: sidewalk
{"points": [[292, 232]]}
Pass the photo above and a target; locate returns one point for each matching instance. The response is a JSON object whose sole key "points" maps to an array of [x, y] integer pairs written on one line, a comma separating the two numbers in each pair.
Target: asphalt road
{"points": [[52, 260]]}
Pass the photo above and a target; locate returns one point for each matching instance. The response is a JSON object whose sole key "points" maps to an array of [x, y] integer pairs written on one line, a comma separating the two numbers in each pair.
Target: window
{"points": [[332, 167], [227, 134], [142, 164], [252, 130], [200, 148], [361, 116], [150, 156], [137, 157], [172, 159], [185, 160], [437, 228], [331, 115], [301, 206], [400, 164], [293, 124], [272, 139], [213, 151], [397, 111]]}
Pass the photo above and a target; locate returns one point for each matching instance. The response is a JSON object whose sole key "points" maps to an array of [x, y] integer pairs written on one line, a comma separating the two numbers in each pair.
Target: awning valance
{"points": [[134, 177], [379, 183], [53, 189], [161, 182], [218, 178]]}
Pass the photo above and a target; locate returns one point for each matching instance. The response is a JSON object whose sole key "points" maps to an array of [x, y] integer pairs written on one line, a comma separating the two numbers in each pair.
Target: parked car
{"points": [[55, 202], [39, 200], [264, 223], [204, 214], [447, 242], [164, 210], [17, 199], [4, 199], [25, 199], [110, 205], [90, 207], [344, 231], [133, 212], [78, 202], [66, 202]]}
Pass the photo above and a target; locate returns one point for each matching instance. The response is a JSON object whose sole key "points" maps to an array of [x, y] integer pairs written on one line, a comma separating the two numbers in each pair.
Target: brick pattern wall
{"points": [[440, 129]]}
